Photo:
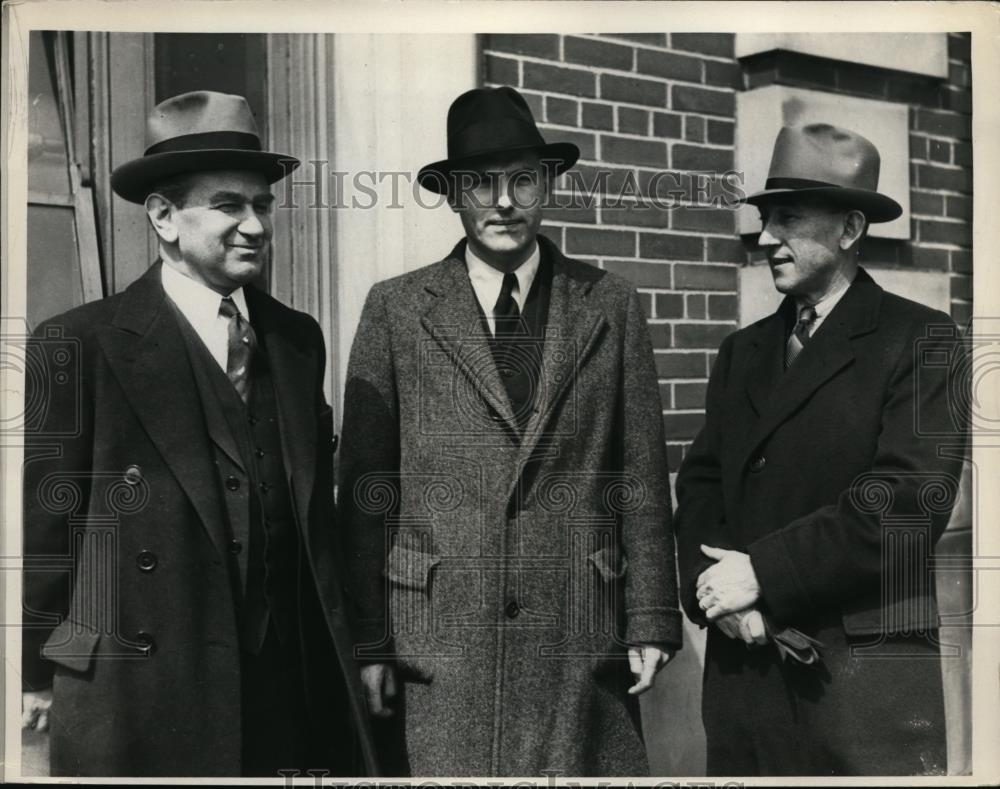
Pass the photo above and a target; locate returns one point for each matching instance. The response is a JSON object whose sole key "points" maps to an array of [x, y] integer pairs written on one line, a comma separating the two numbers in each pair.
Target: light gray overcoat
{"points": [[506, 573]]}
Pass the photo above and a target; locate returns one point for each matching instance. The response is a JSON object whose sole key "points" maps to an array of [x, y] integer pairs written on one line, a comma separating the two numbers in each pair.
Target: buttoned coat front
{"points": [[126, 542], [503, 572]]}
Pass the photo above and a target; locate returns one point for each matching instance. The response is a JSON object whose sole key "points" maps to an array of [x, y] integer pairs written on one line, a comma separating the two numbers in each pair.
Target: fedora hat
{"points": [[488, 122], [198, 131], [822, 161]]}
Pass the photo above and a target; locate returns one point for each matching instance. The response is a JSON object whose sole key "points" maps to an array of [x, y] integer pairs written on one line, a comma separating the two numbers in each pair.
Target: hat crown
{"points": [[485, 120], [199, 112], [825, 154]]}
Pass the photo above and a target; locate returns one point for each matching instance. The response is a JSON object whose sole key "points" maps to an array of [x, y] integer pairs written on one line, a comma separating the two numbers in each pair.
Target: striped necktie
{"points": [[800, 335], [242, 343], [506, 315]]}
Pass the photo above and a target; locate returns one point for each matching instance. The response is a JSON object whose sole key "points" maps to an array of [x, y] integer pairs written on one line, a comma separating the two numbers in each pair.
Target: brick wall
{"points": [[637, 104]]}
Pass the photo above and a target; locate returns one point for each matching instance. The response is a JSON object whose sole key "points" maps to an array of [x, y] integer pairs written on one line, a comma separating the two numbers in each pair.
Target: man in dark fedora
{"points": [[504, 483], [182, 588], [810, 501]]}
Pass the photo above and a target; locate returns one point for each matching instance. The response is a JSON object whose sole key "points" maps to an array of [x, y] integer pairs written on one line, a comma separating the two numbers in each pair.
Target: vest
{"points": [[265, 553]]}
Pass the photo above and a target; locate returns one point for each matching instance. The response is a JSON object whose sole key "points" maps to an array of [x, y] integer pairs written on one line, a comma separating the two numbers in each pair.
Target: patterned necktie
{"points": [[506, 315], [242, 343], [800, 335]]}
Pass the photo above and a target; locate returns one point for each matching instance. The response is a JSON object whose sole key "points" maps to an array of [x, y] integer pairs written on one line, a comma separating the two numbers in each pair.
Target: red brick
{"points": [[562, 111], [585, 179], [693, 157], [961, 261], [695, 306], [569, 213], [694, 128], [961, 287], [926, 203], [710, 102], [536, 103], [659, 334], [684, 425], [586, 241], [669, 305], [956, 233], [502, 71], [944, 124], [723, 307], [930, 177], [690, 395], [555, 79], [959, 46], [667, 124], [723, 75], [536, 45], [959, 74], [957, 100], [593, 52], [633, 121], [670, 247], [633, 90], [640, 273], [585, 141], [598, 116], [640, 215], [963, 154], [668, 65], [720, 44], [645, 303], [918, 147], [727, 250], [721, 132], [959, 207], [666, 396], [692, 277], [712, 220], [940, 151], [701, 335], [625, 150], [929, 258]]}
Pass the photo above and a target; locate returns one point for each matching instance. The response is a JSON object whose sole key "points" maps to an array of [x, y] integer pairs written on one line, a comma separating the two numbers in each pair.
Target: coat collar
{"points": [[776, 393]]}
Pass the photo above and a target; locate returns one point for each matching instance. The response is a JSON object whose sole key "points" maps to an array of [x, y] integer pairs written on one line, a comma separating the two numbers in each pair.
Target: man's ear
{"points": [[161, 216], [854, 229]]}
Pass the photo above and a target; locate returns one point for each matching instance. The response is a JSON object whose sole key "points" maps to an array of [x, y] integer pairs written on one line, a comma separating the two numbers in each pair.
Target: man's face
{"points": [[802, 242], [224, 228], [500, 204]]}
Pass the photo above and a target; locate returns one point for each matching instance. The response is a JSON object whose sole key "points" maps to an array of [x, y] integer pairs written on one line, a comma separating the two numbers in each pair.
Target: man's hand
{"points": [[35, 709], [727, 586], [645, 661], [379, 680], [747, 626]]}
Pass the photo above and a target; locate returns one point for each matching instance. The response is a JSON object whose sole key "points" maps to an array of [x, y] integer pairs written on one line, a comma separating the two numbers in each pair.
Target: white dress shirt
{"points": [[487, 282], [200, 305], [825, 305]]}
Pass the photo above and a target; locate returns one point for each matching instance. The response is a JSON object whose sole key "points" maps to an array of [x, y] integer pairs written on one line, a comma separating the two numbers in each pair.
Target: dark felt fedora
{"points": [[822, 161], [487, 122], [198, 131]]}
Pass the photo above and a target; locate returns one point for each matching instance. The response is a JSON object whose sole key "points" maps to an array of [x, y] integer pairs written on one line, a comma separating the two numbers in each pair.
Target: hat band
{"points": [[491, 136], [798, 183], [207, 141]]}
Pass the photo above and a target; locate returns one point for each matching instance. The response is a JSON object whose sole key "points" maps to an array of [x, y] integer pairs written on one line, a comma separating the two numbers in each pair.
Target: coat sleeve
{"points": [[701, 512], [651, 580], [58, 435], [369, 467], [824, 558]]}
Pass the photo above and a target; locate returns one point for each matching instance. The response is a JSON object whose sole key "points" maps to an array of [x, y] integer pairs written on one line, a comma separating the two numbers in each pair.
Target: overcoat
{"points": [[505, 572], [837, 475], [129, 610]]}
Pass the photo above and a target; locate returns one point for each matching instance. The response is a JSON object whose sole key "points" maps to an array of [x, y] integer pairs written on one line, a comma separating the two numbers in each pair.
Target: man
{"points": [[810, 500], [183, 599], [504, 467]]}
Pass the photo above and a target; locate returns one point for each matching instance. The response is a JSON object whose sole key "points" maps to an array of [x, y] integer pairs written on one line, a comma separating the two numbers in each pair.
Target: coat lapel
{"points": [[826, 354], [454, 321], [293, 375], [147, 354], [766, 358]]}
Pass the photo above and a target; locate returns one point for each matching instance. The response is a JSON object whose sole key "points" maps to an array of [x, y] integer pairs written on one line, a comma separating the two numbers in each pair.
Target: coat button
{"points": [[512, 609], [145, 642], [146, 561], [507, 372], [334, 443], [259, 452], [232, 483], [133, 475], [758, 463], [264, 487], [235, 546]]}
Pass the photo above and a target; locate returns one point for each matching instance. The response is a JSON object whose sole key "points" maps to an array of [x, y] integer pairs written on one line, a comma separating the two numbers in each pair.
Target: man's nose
{"points": [[504, 200], [253, 225], [767, 238]]}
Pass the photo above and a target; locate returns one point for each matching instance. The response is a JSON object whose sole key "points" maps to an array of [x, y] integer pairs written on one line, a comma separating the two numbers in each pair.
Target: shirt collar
{"points": [[482, 272], [198, 302], [825, 305]]}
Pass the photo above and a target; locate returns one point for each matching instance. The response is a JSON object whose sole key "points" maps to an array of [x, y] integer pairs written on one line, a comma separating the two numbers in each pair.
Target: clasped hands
{"points": [[728, 592]]}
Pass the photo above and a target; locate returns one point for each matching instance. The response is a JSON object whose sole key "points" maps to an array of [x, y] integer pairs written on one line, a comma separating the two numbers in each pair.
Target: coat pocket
{"points": [[411, 611], [71, 645], [411, 569], [610, 564]]}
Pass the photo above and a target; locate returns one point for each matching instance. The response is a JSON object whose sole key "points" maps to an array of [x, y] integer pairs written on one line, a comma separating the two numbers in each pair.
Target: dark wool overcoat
{"points": [[837, 475], [129, 609], [504, 572]]}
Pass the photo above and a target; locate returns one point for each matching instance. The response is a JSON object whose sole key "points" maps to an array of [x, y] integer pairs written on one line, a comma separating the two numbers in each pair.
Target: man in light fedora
{"points": [[504, 483], [183, 592], [811, 499]]}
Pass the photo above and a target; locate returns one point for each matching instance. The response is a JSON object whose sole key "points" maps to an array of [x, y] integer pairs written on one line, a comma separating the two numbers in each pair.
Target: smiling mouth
{"points": [[778, 261], [504, 222]]}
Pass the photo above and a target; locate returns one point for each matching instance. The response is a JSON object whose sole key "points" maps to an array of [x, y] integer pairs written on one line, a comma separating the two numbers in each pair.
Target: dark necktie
{"points": [[800, 335], [242, 343], [506, 315]]}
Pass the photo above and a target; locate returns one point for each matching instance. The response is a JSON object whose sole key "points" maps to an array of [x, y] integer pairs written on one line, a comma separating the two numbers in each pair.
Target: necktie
{"points": [[800, 335], [506, 315], [242, 343]]}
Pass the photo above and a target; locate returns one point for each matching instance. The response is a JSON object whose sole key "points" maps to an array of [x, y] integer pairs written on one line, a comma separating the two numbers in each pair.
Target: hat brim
{"points": [[436, 176], [134, 180], [876, 207]]}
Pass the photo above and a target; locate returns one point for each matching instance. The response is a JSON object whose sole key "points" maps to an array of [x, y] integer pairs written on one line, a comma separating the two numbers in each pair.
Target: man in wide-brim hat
{"points": [[822, 431], [198, 428], [504, 483]]}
